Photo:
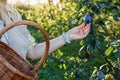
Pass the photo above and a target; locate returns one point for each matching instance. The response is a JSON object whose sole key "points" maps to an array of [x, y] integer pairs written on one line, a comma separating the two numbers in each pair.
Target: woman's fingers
{"points": [[88, 27], [84, 31], [82, 25], [79, 32]]}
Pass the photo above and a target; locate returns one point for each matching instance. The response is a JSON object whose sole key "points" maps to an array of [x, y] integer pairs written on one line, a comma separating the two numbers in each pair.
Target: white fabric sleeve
{"points": [[4, 37], [32, 41]]}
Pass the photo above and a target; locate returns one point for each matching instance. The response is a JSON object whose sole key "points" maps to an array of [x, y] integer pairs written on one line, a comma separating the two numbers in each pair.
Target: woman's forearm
{"points": [[78, 32], [38, 50]]}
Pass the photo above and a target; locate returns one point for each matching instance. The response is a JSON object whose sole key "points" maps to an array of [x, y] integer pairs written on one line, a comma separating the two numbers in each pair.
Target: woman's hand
{"points": [[79, 32]]}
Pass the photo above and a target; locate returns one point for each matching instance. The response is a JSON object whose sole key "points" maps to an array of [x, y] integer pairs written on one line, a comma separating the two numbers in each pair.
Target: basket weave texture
{"points": [[12, 65]]}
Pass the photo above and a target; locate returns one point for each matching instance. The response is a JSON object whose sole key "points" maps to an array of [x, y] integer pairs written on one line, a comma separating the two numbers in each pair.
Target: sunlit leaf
{"points": [[81, 48], [64, 66], [82, 42], [109, 51]]}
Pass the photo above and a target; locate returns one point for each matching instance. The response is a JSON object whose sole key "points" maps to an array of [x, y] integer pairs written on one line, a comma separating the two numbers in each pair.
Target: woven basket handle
{"points": [[24, 22]]}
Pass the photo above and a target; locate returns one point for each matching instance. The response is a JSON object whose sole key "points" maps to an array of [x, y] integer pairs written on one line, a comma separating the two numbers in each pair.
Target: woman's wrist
{"points": [[66, 38]]}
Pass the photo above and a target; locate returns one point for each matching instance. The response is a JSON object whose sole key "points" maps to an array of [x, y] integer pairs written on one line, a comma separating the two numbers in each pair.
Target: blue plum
{"points": [[101, 75], [88, 18]]}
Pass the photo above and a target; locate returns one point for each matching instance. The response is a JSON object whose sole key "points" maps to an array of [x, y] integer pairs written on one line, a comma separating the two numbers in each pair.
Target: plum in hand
{"points": [[88, 18]]}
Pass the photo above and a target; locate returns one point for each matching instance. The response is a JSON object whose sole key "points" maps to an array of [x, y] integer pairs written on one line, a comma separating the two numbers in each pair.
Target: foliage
{"points": [[96, 56]]}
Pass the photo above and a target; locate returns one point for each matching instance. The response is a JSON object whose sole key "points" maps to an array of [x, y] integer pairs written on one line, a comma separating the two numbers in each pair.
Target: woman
{"points": [[22, 42]]}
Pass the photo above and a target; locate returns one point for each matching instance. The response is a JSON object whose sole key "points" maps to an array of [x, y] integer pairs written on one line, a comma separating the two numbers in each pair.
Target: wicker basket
{"points": [[12, 65]]}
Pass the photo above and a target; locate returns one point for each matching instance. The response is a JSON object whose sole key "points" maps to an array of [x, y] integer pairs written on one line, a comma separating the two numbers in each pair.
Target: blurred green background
{"points": [[94, 57]]}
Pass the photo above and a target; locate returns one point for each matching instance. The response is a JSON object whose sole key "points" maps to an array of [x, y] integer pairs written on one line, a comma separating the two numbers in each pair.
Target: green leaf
{"points": [[59, 53], [104, 28], [81, 48], [89, 38], [116, 17], [72, 21], [104, 4], [92, 46], [114, 9], [108, 51], [117, 54], [82, 42], [101, 21]]}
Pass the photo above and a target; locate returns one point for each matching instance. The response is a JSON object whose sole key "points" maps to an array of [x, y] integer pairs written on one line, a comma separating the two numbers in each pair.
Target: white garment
{"points": [[5, 37], [18, 38]]}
